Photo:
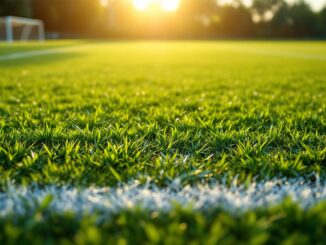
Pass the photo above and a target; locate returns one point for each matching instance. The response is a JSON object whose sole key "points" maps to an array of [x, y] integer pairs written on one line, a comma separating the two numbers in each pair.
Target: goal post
{"points": [[21, 29]]}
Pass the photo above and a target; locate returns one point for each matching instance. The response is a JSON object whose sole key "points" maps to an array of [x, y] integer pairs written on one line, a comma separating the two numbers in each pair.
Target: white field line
{"points": [[33, 53], [234, 198], [275, 53]]}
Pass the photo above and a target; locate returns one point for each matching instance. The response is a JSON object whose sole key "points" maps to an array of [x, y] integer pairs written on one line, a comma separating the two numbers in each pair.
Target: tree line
{"points": [[194, 19]]}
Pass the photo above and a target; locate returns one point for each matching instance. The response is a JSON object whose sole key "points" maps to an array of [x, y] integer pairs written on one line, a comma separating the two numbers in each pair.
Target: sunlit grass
{"points": [[150, 108], [6, 48], [114, 112]]}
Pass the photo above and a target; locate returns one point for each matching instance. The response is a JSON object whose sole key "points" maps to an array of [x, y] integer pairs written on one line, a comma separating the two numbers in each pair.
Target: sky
{"points": [[316, 4]]}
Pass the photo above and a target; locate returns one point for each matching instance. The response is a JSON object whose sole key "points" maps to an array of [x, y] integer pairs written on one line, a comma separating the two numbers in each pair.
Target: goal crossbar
{"points": [[11, 21]]}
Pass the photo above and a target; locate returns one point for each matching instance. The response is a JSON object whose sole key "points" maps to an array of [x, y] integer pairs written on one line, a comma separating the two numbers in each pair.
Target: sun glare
{"points": [[165, 5], [104, 3], [169, 5], [141, 4]]}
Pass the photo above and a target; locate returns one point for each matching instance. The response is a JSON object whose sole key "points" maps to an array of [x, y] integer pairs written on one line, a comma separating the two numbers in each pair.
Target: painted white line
{"points": [[33, 53], [257, 51], [234, 198]]}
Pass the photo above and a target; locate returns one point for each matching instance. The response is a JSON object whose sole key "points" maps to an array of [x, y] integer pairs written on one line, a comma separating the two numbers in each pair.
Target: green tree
{"points": [[21, 8], [235, 21], [263, 8], [303, 20], [78, 16], [321, 22]]}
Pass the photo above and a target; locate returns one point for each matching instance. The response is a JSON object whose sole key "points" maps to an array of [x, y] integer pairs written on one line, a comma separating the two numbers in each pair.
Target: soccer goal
{"points": [[21, 29]]}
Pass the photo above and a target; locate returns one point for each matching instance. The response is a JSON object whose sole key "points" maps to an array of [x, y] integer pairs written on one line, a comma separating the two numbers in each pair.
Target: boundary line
{"points": [[233, 198], [42, 52]]}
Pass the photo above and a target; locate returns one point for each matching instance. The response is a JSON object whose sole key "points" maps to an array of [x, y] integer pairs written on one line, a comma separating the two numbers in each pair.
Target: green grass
{"points": [[117, 111], [113, 112], [6, 48], [284, 224]]}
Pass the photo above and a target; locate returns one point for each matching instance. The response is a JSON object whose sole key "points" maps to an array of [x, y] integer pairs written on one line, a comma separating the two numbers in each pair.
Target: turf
{"points": [[286, 224], [113, 112], [6, 48]]}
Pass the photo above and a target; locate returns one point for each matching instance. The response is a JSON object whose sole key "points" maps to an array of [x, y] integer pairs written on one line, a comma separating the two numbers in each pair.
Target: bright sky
{"points": [[172, 5], [316, 4], [143, 5], [166, 5]]}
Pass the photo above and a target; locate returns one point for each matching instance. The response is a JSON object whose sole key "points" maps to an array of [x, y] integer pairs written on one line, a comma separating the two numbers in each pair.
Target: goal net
{"points": [[20, 29]]}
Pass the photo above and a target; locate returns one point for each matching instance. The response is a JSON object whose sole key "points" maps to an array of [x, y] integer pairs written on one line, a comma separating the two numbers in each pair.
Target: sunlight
{"points": [[170, 5], [104, 3], [165, 5], [142, 4]]}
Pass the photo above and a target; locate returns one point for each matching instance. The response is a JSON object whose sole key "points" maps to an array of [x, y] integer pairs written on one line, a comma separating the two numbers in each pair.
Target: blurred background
{"points": [[174, 19]]}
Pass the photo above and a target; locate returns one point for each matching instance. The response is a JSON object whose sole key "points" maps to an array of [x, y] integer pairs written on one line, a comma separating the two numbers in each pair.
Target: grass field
{"points": [[163, 142]]}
